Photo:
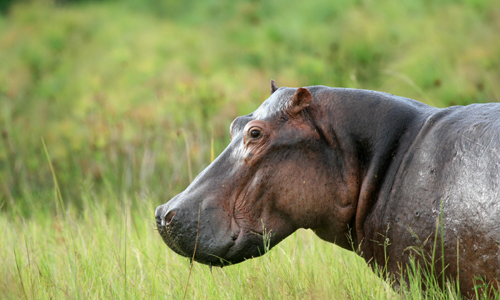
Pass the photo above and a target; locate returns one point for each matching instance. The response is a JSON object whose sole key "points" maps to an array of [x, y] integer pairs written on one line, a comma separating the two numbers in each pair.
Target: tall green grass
{"points": [[110, 249], [129, 97]]}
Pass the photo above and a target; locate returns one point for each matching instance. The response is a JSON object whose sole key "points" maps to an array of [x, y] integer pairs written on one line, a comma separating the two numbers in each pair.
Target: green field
{"points": [[133, 98]]}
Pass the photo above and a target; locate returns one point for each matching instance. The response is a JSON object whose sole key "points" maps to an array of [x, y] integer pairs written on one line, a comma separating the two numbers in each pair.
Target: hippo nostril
{"points": [[168, 218]]}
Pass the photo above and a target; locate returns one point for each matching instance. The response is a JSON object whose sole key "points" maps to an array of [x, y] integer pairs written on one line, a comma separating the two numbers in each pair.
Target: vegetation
{"points": [[133, 98]]}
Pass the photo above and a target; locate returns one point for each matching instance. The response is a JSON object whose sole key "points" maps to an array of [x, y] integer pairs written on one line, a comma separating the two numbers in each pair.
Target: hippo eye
{"points": [[255, 133]]}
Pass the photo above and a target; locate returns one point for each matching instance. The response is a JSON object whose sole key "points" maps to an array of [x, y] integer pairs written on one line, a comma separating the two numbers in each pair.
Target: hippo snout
{"points": [[169, 229], [191, 226]]}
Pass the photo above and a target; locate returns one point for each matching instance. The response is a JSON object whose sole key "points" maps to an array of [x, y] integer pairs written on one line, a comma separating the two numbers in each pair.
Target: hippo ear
{"points": [[299, 101], [274, 86]]}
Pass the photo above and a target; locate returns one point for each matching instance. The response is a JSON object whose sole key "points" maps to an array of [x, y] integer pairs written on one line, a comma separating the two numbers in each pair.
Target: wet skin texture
{"points": [[350, 163]]}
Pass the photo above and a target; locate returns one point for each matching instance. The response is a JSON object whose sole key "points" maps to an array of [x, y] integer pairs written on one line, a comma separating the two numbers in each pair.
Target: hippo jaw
{"points": [[182, 235], [188, 233]]}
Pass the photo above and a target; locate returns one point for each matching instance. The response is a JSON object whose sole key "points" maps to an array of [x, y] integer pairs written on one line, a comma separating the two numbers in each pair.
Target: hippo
{"points": [[383, 175]]}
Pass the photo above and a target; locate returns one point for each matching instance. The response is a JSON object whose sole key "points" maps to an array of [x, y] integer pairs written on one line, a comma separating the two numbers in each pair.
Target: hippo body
{"points": [[364, 170]]}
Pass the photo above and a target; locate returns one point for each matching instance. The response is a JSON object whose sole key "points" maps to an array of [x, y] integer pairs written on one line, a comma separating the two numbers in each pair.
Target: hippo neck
{"points": [[372, 131]]}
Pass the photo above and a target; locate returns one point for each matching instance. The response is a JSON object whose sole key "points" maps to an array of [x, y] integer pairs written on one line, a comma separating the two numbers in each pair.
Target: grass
{"points": [[110, 249], [118, 255], [133, 98]]}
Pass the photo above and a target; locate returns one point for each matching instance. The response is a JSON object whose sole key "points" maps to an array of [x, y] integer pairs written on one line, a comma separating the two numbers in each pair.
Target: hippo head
{"points": [[279, 173]]}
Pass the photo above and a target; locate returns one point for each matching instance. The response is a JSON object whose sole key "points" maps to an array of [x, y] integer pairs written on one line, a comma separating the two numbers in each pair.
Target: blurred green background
{"points": [[132, 97]]}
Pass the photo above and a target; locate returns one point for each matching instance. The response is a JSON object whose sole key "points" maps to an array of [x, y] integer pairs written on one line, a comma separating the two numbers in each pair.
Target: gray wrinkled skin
{"points": [[357, 167]]}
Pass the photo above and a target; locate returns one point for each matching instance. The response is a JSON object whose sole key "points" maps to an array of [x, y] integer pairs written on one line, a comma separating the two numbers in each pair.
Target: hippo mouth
{"points": [[243, 244], [167, 235]]}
